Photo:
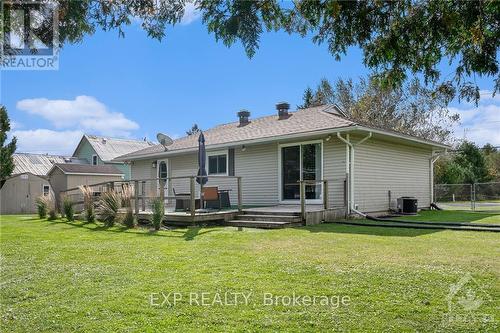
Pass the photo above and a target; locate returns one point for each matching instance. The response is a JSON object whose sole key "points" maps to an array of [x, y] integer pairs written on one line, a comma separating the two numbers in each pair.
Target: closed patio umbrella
{"points": [[202, 157]]}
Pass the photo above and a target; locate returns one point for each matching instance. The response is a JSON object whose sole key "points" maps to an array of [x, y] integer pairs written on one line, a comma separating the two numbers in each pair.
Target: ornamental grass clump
{"points": [[127, 193], [42, 206], [88, 205], [158, 213], [68, 208], [107, 207]]}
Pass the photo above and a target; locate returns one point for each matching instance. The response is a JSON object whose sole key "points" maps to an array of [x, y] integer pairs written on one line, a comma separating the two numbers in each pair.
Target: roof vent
{"points": [[104, 140], [283, 108], [244, 115]]}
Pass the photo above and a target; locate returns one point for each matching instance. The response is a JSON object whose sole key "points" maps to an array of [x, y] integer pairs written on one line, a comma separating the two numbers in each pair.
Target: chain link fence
{"points": [[474, 197]]}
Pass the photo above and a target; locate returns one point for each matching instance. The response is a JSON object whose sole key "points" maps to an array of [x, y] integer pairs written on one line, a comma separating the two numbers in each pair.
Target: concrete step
{"points": [[261, 224], [271, 218]]}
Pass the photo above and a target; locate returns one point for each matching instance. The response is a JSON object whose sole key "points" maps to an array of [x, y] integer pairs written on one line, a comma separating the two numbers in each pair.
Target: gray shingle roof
{"points": [[301, 121], [37, 164], [109, 148], [87, 168]]}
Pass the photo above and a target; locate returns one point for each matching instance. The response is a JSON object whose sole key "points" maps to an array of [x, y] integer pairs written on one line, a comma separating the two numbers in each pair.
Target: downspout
{"points": [[350, 147], [432, 160]]}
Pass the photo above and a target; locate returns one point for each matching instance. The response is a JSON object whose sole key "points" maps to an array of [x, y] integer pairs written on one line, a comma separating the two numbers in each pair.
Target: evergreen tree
{"points": [[6, 150]]}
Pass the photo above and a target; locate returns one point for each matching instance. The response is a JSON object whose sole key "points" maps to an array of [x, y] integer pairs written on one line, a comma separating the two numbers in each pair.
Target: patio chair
{"points": [[183, 202], [211, 197]]}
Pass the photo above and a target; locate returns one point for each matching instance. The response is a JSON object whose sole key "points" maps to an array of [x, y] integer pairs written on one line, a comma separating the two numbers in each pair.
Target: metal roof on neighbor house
{"points": [[87, 169], [37, 164], [109, 148], [301, 121]]}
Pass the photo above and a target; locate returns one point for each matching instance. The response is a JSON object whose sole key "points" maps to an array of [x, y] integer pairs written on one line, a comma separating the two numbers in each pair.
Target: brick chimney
{"points": [[283, 108], [244, 115]]}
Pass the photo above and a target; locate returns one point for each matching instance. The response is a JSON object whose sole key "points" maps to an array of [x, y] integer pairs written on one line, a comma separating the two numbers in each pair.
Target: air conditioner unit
{"points": [[407, 205]]}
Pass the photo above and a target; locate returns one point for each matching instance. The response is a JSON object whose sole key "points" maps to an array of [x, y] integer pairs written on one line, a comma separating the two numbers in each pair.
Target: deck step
{"points": [[270, 213], [262, 224], [271, 218]]}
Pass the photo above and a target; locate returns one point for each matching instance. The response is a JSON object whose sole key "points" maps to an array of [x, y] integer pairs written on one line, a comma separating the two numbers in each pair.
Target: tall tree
{"points": [[472, 159], [6, 150], [194, 130], [397, 38], [413, 109]]}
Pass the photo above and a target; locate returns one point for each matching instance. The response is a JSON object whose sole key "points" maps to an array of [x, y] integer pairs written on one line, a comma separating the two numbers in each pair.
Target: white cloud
{"points": [[15, 125], [191, 14], [487, 95], [47, 141], [479, 124], [84, 113]]}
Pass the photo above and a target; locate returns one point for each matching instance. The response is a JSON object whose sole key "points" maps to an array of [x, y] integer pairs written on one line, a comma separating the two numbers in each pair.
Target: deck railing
{"points": [[324, 193], [149, 188]]}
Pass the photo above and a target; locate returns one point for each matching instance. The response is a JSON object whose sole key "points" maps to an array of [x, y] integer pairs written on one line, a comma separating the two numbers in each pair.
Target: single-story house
{"points": [[100, 150], [273, 153], [68, 176], [28, 182]]}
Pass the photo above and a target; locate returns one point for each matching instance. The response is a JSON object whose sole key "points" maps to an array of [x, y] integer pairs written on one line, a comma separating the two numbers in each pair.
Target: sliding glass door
{"points": [[301, 162]]}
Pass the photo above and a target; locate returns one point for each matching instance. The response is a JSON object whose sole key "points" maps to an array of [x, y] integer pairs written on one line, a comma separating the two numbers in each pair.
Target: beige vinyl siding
{"points": [[258, 167], [334, 170], [143, 169], [18, 194], [381, 166]]}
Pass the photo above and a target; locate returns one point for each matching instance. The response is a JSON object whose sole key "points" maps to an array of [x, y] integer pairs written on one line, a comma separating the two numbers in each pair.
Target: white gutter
{"points": [[350, 162]]}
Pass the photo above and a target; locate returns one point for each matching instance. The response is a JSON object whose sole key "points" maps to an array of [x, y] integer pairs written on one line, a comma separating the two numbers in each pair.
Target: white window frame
{"points": [[218, 153], [43, 189], [96, 160], [280, 171]]}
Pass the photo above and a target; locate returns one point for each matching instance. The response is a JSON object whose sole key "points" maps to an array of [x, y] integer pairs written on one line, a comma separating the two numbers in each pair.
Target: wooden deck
{"points": [[269, 217]]}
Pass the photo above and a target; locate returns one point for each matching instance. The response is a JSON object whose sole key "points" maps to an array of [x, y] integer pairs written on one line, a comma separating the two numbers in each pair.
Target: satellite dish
{"points": [[164, 139]]}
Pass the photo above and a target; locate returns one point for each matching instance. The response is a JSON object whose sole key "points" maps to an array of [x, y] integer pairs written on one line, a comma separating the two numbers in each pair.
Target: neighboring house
{"points": [[28, 181], [99, 150], [68, 176], [273, 153]]}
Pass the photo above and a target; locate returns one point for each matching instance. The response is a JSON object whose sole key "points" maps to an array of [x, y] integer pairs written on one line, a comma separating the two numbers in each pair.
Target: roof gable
{"points": [[109, 148]]}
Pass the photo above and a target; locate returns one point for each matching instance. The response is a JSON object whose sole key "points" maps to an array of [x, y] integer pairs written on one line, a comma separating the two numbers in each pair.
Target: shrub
{"points": [[107, 207], [129, 219], [158, 213], [42, 206], [68, 208], [88, 205]]}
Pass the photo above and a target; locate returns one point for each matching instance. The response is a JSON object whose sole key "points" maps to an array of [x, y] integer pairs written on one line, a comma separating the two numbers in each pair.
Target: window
{"points": [[46, 190], [217, 164], [162, 170], [94, 159]]}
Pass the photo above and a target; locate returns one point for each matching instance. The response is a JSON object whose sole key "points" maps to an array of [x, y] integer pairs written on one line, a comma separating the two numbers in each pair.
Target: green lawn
{"points": [[454, 216], [64, 277]]}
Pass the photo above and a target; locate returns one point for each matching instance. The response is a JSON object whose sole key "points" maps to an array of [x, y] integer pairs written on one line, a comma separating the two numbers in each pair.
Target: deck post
{"points": [[143, 195], [136, 198], [191, 193], [162, 190], [302, 200], [325, 194], [240, 204]]}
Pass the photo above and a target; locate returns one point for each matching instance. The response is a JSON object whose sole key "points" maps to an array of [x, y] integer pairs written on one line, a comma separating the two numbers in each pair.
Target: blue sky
{"points": [[136, 86]]}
